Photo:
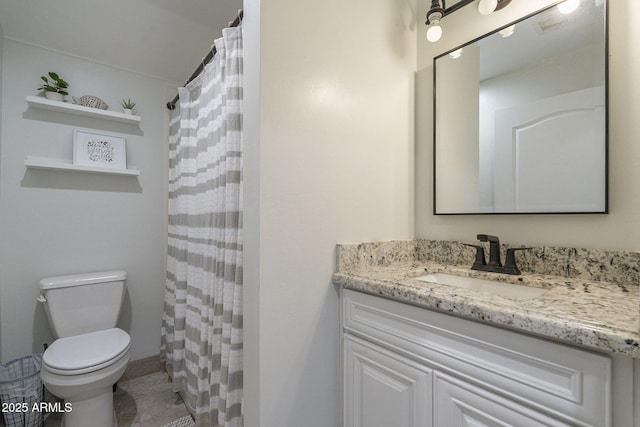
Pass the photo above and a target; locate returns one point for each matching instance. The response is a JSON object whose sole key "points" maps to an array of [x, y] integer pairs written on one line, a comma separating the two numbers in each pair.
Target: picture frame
{"points": [[99, 150]]}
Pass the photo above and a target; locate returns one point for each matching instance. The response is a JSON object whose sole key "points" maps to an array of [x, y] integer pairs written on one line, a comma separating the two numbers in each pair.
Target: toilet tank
{"points": [[81, 303]]}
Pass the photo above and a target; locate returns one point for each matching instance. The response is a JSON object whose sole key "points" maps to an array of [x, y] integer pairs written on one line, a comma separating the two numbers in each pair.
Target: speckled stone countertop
{"points": [[575, 308]]}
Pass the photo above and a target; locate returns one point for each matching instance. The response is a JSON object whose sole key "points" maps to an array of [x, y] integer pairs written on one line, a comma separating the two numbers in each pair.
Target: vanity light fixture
{"points": [[439, 10], [435, 14]]}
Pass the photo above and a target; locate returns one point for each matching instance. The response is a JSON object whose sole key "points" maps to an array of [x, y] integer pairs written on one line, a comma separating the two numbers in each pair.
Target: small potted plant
{"points": [[128, 106], [54, 87]]}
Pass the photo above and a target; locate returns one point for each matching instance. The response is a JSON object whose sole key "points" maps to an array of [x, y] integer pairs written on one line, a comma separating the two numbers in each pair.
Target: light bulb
{"points": [[456, 53], [434, 32], [506, 32], [568, 6], [486, 7]]}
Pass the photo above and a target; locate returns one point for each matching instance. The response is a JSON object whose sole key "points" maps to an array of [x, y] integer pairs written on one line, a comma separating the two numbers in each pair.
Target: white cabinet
{"points": [[408, 366], [384, 388]]}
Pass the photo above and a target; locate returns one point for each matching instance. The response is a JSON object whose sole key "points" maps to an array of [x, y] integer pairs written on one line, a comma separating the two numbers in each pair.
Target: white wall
{"points": [[329, 125], [63, 222], [618, 229]]}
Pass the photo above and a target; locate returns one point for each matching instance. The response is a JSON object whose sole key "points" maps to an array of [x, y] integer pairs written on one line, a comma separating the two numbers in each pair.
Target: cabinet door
{"points": [[459, 404], [384, 389]]}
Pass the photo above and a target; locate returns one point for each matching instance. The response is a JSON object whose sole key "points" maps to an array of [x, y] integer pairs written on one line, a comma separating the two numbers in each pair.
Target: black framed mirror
{"points": [[520, 116]]}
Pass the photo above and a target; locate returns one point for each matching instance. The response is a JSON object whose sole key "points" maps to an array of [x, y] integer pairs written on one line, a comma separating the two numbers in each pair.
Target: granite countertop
{"points": [[596, 314]]}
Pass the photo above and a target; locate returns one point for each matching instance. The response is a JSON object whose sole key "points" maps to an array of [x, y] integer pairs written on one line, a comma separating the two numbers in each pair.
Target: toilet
{"points": [[89, 354]]}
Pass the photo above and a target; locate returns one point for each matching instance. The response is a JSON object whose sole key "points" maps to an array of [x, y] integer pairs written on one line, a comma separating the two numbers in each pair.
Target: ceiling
{"points": [[166, 39]]}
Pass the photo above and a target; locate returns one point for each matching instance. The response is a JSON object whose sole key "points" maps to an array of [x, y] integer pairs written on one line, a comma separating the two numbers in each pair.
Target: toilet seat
{"points": [[80, 354]]}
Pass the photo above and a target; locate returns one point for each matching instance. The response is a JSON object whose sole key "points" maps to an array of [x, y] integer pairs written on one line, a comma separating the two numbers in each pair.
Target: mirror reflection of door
{"points": [[548, 154]]}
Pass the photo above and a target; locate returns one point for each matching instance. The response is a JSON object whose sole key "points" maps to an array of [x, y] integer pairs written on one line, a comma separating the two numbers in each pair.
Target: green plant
{"points": [[128, 104], [54, 83]]}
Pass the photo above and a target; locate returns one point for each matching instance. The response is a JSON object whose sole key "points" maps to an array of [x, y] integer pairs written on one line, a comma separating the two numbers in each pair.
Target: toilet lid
{"points": [[86, 350]]}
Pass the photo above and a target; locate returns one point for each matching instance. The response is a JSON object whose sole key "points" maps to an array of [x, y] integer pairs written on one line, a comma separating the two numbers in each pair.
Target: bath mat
{"points": [[185, 421]]}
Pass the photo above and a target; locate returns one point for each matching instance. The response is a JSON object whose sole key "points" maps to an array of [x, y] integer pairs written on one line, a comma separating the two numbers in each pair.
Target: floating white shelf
{"points": [[67, 165], [66, 107]]}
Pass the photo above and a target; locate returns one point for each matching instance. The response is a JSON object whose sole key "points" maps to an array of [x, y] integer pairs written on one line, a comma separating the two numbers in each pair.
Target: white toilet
{"points": [[89, 354]]}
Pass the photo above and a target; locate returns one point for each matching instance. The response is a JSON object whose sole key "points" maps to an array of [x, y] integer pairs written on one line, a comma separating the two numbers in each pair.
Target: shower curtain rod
{"points": [[172, 104]]}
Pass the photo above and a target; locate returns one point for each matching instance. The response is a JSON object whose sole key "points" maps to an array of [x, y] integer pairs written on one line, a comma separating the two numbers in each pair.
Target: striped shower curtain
{"points": [[202, 322]]}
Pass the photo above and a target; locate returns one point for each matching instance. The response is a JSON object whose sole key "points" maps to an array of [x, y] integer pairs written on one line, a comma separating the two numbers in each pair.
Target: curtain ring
{"points": [[240, 16]]}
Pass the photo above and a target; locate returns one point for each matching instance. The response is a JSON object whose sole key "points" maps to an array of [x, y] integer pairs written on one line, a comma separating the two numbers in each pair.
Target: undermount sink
{"points": [[499, 288]]}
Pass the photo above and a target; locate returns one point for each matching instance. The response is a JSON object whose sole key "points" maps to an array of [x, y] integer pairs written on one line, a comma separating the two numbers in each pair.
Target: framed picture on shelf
{"points": [[99, 150]]}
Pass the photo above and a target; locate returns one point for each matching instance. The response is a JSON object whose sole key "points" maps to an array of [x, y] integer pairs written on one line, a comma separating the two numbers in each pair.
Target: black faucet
{"points": [[495, 264], [494, 249]]}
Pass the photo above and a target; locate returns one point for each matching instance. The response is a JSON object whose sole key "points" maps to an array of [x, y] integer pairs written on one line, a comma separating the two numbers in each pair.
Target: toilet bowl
{"points": [[90, 354], [82, 370]]}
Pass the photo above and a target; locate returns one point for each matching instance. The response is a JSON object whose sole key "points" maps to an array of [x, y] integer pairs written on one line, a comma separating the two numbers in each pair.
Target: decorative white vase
{"points": [[128, 111], [54, 96]]}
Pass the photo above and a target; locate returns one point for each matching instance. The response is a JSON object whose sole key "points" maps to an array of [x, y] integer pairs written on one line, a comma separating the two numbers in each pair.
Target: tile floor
{"points": [[145, 401]]}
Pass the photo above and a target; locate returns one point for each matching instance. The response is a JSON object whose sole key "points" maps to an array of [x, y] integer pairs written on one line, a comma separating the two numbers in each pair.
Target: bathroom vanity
{"points": [[421, 353]]}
